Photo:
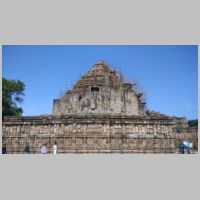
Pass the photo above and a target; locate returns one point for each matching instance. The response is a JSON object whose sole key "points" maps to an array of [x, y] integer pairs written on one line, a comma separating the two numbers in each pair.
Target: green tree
{"points": [[193, 123], [12, 92]]}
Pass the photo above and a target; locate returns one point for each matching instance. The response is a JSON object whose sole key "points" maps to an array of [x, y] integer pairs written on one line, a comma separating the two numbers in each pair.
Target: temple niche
{"points": [[103, 91]]}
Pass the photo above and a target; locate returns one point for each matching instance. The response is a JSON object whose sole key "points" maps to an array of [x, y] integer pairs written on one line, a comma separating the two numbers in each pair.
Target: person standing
{"points": [[183, 148], [55, 148], [4, 151], [44, 149], [180, 148], [191, 147], [27, 148]]}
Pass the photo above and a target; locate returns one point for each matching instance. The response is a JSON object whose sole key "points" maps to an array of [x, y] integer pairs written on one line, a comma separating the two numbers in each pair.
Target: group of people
{"points": [[27, 149], [186, 147], [44, 148]]}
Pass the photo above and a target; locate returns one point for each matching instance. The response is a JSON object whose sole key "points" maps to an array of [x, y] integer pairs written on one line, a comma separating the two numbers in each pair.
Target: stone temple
{"points": [[102, 91], [101, 113]]}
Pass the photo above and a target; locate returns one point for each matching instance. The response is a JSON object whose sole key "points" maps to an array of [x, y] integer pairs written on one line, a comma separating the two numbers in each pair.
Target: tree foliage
{"points": [[12, 92], [193, 123]]}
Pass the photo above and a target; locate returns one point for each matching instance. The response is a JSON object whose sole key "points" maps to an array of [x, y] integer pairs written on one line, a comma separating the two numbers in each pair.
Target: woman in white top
{"points": [[55, 148]]}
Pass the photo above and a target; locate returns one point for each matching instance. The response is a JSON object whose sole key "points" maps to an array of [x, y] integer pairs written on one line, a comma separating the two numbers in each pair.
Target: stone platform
{"points": [[91, 134]]}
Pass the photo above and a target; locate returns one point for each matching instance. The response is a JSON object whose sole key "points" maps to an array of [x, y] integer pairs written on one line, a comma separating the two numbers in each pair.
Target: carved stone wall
{"points": [[107, 102], [91, 134]]}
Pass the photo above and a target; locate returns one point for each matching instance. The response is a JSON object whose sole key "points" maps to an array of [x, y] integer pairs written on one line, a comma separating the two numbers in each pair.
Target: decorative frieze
{"points": [[90, 133]]}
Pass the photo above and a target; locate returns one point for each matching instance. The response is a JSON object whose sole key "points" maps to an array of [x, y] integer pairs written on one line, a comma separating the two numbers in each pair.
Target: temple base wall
{"points": [[90, 134]]}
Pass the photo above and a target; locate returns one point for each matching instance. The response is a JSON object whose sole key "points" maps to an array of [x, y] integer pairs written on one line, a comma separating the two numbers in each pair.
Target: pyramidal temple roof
{"points": [[99, 75], [101, 66], [102, 89]]}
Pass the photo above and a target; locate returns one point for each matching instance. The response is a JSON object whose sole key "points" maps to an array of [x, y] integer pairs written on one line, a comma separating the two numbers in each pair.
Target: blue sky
{"points": [[168, 74]]}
